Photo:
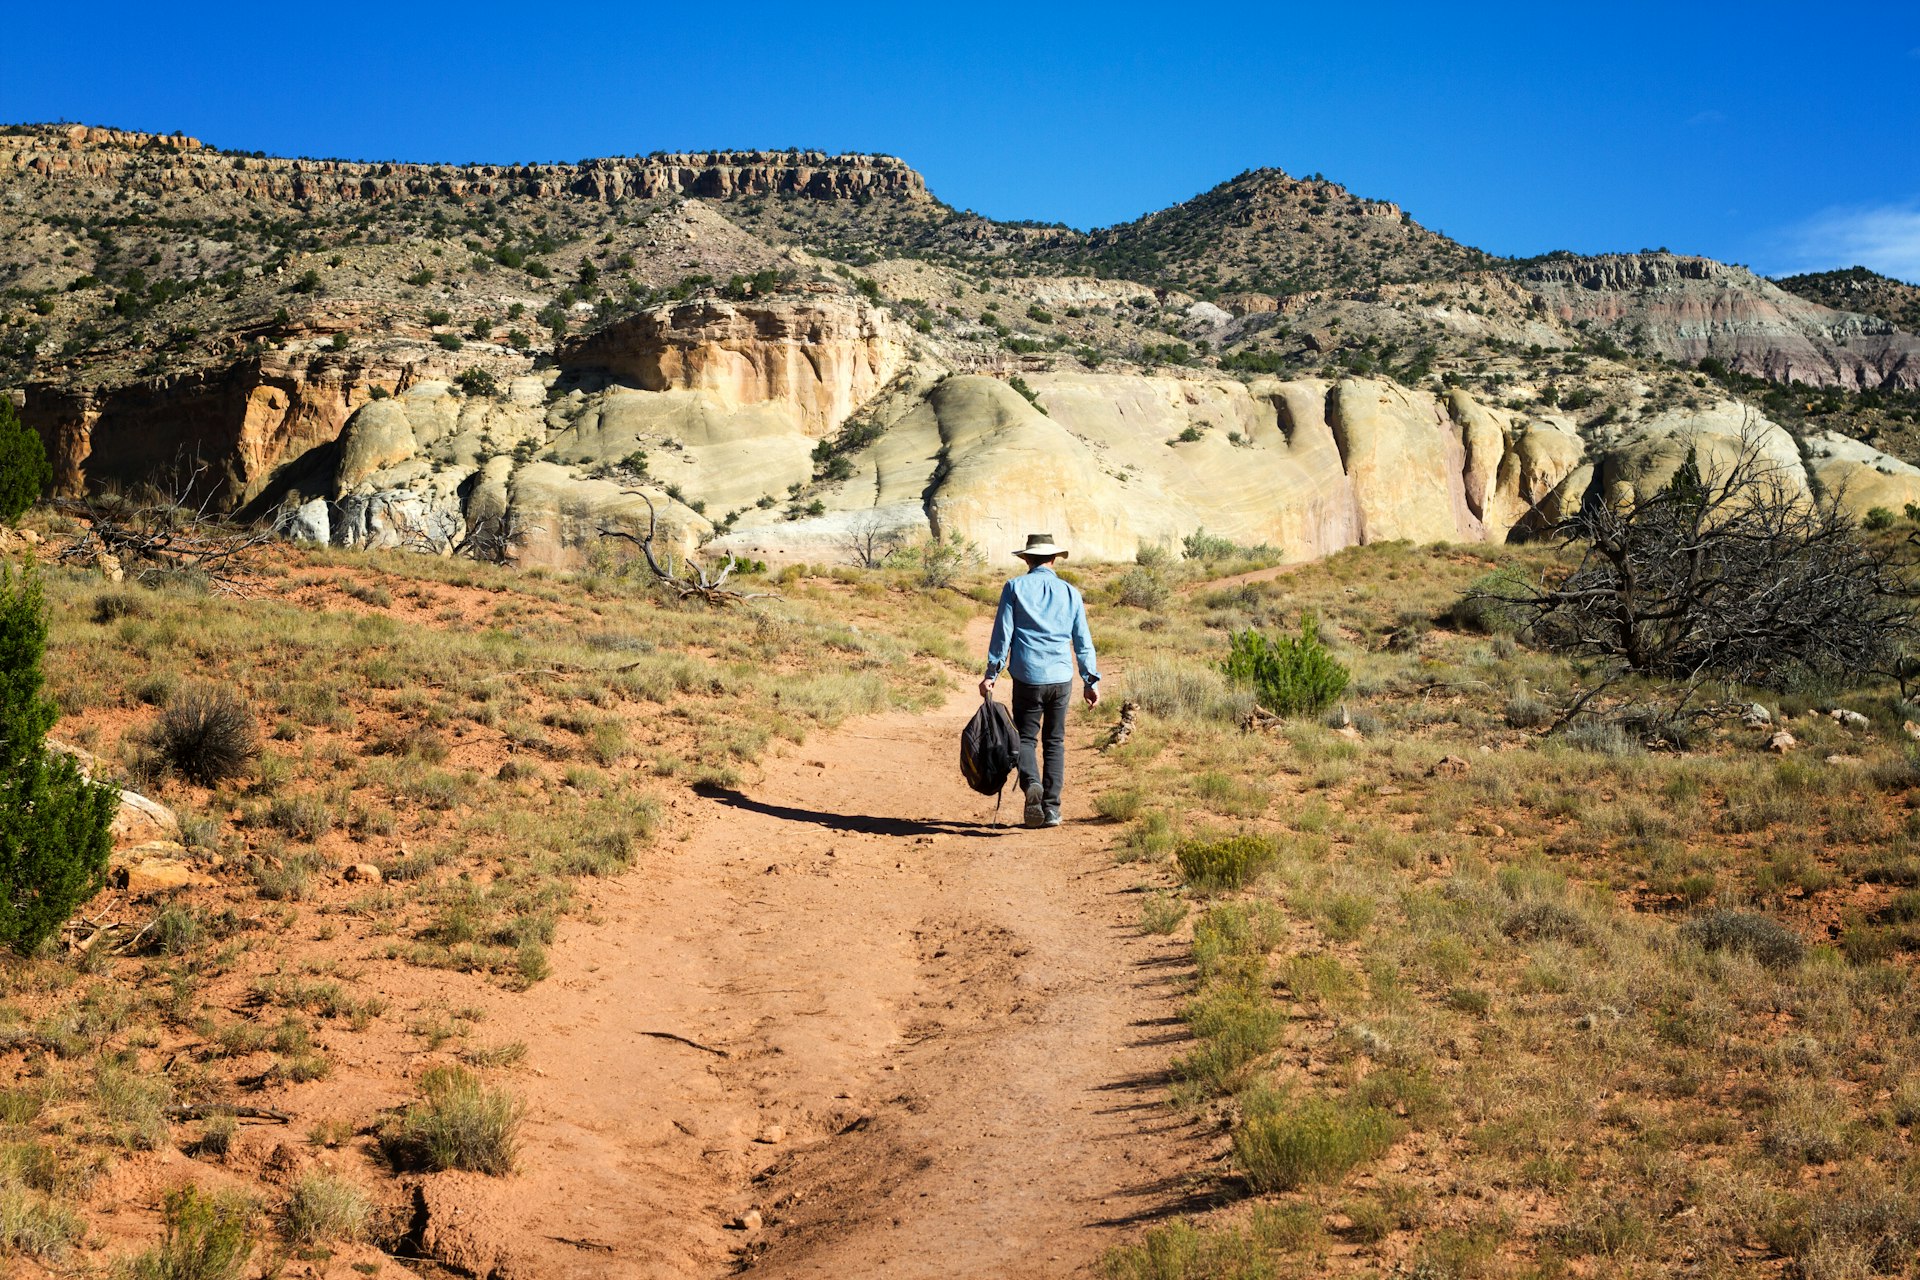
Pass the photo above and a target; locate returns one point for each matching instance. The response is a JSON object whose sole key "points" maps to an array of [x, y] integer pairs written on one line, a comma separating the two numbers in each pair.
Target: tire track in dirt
{"points": [[944, 1039]]}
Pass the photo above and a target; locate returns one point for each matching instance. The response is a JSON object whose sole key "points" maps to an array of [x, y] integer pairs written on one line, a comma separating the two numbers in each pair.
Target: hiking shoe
{"points": [[1036, 810], [1053, 818]]}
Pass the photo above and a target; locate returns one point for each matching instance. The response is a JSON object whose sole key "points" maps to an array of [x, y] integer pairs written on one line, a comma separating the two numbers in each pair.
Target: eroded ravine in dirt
{"points": [[944, 1039]]}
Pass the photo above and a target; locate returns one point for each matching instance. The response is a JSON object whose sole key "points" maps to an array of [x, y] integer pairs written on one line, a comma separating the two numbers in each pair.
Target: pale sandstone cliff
{"points": [[727, 402], [823, 357]]}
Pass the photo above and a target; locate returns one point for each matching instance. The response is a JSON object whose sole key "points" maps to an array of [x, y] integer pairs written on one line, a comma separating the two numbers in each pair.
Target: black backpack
{"points": [[989, 748]]}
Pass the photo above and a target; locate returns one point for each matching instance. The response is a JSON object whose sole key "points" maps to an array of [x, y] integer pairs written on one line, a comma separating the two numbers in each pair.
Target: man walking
{"points": [[1039, 633]]}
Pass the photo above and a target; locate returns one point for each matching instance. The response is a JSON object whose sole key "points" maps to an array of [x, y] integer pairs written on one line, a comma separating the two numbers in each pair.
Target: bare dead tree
{"points": [[493, 539], [173, 527], [710, 587], [871, 542], [1730, 572]]}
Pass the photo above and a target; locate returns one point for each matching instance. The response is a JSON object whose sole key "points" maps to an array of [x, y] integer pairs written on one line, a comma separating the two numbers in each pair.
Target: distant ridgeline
{"points": [[156, 163]]}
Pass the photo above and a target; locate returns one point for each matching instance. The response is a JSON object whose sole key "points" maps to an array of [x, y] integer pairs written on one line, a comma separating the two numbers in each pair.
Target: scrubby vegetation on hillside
{"points": [[1472, 999]]}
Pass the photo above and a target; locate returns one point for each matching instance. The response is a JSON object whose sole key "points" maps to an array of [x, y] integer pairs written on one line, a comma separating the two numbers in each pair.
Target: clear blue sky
{"points": [[1784, 136]]}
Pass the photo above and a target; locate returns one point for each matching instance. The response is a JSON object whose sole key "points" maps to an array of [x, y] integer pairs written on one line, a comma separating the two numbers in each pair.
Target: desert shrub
{"points": [[1345, 916], [1762, 937], [1201, 545], [1224, 863], [1122, 805], [477, 382], [1153, 555], [55, 825], [1142, 589], [1162, 913], [25, 472], [1408, 631], [1320, 1140], [1878, 519], [1489, 605], [1178, 1250], [304, 817], [283, 879], [938, 561], [111, 606], [207, 1237], [1726, 571], [176, 930], [326, 1207], [459, 1123], [1293, 676], [207, 734], [1231, 942], [1806, 1124], [1525, 711], [1544, 920], [1236, 1027]]}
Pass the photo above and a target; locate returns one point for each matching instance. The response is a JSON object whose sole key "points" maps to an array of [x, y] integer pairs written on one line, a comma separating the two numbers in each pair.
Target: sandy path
{"points": [[945, 1039]]}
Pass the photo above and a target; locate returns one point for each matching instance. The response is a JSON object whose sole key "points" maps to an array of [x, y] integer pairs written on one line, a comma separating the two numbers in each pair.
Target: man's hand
{"points": [[1091, 693], [986, 687]]}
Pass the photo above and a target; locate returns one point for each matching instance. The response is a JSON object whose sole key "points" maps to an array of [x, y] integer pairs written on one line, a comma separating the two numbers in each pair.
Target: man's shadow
{"points": [[859, 823]]}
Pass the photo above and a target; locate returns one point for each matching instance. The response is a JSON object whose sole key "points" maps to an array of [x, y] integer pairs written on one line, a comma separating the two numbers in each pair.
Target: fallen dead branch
{"points": [[692, 1044], [208, 1110], [712, 588], [168, 533]]}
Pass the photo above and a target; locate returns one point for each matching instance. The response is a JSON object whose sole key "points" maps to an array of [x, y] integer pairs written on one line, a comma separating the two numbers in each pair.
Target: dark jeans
{"points": [[1040, 710]]}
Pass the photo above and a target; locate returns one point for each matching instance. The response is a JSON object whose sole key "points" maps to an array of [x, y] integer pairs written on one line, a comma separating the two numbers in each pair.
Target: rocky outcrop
{"points": [[1118, 462], [1109, 462], [1687, 309], [1860, 477], [821, 356], [244, 420], [157, 162]]}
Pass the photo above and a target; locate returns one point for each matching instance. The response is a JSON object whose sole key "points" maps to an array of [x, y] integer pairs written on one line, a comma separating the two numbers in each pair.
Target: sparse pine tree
{"points": [[55, 825], [25, 472]]}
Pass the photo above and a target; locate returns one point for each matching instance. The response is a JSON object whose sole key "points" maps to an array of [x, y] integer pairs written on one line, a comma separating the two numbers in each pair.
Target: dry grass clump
{"points": [[1316, 1140], [207, 734], [1185, 690], [459, 1123], [35, 1224], [326, 1207]]}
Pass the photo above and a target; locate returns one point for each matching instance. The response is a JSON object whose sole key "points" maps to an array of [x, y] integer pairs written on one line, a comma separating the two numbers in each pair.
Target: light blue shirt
{"points": [[1040, 630]]}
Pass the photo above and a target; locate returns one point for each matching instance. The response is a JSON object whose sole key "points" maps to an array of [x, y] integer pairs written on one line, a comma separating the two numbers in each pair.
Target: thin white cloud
{"points": [[1707, 117], [1885, 238]]}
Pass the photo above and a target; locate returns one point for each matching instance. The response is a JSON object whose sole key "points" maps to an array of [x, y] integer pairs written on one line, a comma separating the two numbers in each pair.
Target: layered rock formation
{"points": [[1688, 308], [159, 162], [822, 356], [237, 424]]}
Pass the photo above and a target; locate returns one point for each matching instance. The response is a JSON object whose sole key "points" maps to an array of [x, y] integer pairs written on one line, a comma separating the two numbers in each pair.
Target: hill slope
{"points": [[1858, 289]]}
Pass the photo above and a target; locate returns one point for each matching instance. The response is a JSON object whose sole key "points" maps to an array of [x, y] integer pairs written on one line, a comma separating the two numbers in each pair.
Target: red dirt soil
{"points": [[914, 1038]]}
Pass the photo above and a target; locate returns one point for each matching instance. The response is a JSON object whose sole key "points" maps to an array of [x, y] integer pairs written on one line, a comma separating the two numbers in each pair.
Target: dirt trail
{"points": [[945, 1040]]}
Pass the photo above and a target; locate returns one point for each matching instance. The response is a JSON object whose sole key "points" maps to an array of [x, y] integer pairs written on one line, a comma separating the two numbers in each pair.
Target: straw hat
{"points": [[1039, 547]]}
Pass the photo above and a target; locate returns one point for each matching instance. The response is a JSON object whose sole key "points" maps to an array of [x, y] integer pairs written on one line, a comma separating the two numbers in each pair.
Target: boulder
{"points": [[1859, 476], [307, 522], [158, 866]]}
